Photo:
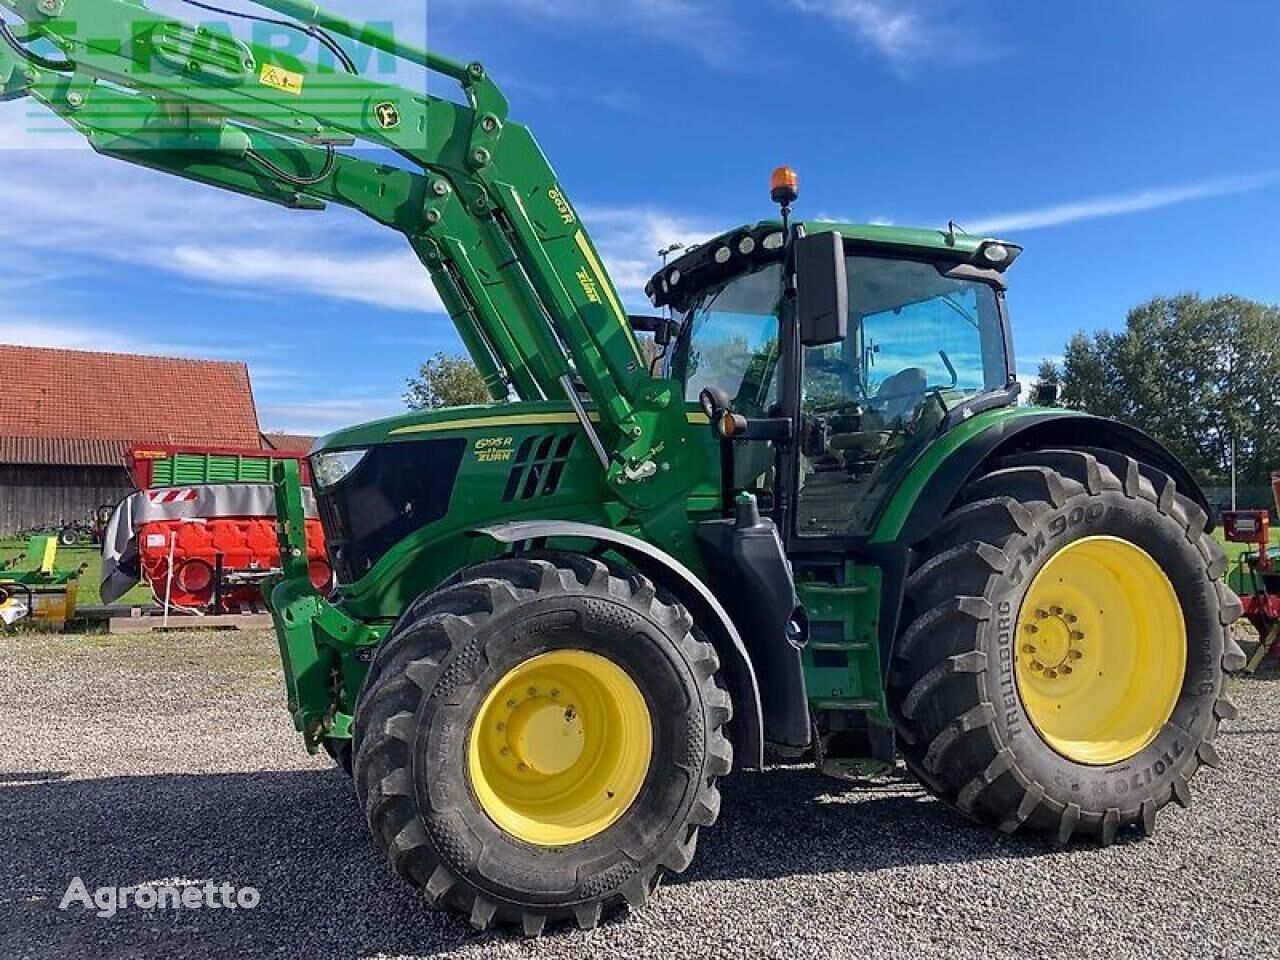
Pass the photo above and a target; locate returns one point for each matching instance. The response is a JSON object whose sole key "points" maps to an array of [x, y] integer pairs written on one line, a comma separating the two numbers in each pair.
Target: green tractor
{"points": [[807, 520]]}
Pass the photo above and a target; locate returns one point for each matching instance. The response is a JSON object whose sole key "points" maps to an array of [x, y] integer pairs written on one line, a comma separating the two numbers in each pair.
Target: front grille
{"points": [[397, 489]]}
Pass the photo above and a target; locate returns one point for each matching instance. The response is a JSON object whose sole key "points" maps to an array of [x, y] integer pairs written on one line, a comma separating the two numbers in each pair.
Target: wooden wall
{"points": [[30, 496]]}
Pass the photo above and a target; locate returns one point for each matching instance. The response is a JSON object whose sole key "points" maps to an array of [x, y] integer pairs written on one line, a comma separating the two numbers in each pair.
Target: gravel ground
{"points": [[170, 758]]}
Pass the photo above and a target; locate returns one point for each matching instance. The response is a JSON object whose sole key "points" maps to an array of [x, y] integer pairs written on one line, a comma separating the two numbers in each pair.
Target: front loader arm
{"points": [[479, 204]]}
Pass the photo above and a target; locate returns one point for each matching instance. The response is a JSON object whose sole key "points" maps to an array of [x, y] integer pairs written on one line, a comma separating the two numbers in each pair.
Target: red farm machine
{"points": [[1255, 575], [200, 531]]}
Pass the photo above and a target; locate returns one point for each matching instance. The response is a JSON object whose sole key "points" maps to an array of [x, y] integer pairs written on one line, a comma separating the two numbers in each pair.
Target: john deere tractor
{"points": [[806, 518]]}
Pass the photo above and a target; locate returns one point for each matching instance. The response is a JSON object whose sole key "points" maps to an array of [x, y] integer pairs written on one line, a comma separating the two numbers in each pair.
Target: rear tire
{"points": [[964, 675], [428, 700]]}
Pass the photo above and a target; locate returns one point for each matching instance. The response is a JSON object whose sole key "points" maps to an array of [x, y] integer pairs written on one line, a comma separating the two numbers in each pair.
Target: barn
{"points": [[67, 418]]}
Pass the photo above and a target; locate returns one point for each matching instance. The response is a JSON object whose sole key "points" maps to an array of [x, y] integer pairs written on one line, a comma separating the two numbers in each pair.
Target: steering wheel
{"points": [[839, 406]]}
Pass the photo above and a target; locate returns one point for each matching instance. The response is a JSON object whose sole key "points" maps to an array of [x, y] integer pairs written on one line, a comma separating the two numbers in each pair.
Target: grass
{"points": [[87, 594], [1235, 549]]}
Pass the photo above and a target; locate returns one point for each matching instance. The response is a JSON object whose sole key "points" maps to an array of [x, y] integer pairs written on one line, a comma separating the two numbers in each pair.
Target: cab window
{"points": [[919, 343], [732, 342]]}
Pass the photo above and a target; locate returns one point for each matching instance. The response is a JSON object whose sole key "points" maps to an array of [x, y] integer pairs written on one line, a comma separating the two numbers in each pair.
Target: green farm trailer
{"points": [[810, 521]]}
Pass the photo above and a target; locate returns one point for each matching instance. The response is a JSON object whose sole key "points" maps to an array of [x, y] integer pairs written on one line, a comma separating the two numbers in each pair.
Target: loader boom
{"points": [[477, 200]]}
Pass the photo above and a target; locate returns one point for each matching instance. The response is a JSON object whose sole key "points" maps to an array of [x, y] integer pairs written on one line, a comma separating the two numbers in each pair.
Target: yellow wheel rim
{"points": [[560, 748], [1102, 650]]}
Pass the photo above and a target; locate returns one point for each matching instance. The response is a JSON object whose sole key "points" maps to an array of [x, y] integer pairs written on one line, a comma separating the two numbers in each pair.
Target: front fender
{"points": [[746, 729]]}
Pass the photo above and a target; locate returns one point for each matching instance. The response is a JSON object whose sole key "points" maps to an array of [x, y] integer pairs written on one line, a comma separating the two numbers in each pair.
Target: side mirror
{"points": [[714, 402], [1047, 395], [822, 289]]}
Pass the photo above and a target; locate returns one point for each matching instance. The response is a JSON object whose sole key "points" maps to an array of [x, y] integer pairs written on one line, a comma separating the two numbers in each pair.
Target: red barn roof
{"points": [[91, 406], [288, 442]]}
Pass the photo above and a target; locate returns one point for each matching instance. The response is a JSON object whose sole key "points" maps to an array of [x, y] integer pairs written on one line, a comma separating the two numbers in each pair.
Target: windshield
{"points": [[730, 341]]}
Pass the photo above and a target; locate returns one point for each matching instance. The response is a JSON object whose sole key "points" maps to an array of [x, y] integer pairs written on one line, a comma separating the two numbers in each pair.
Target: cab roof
{"points": [[763, 241]]}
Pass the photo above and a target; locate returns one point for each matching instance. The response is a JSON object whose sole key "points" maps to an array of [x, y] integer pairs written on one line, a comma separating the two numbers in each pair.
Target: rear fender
{"points": [[1037, 431], [746, 730], [1006, 435]]}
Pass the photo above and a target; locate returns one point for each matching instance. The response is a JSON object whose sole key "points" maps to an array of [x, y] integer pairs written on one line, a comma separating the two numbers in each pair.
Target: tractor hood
{"points": [[421, 424]]}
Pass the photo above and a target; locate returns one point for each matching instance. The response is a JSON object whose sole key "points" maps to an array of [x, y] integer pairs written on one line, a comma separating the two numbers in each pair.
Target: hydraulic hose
{"points": [[310, 30], [48, 63], [292, 178]]}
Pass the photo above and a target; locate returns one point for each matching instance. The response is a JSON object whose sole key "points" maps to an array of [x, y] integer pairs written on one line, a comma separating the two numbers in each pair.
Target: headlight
{"points": [[330, 468]]}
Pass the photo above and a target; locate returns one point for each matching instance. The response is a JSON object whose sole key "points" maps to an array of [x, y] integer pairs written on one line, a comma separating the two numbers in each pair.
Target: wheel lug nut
{"points": [[1066, 668], [1032, 628], [1072, 618], [533, 691], [1028, 648], [522, 767], [1037, 665], [1075, 654], [555, 692], [1077, 635], [1056, 611], [1042, 614], [1051, 674], [511, 704]]}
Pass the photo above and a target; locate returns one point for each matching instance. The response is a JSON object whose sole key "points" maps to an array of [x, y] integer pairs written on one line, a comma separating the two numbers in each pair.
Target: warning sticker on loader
{"points": [[281, 79]]}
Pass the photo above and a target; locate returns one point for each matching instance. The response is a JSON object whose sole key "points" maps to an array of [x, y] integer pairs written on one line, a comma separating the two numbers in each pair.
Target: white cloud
{"points": [[895, 31], [629, 239], [323, 416], [75, 208], [64, 334], [1118, 204], [905, 32], [395, 280]]}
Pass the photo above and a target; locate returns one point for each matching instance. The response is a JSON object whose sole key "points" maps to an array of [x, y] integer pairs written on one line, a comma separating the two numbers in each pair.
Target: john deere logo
{"points": [[388, 115]]}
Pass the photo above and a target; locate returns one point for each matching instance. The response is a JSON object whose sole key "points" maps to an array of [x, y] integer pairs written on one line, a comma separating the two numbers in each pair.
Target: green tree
{"points": [[1049, 374], [1199, 375], [446, 381]]}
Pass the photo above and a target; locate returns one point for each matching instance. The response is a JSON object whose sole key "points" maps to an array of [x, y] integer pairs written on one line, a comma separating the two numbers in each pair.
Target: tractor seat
{"points": [[896, 399]]}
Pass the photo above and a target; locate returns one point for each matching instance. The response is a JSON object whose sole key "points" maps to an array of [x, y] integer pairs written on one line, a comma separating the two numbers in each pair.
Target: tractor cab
{"points": [[924, 338]]}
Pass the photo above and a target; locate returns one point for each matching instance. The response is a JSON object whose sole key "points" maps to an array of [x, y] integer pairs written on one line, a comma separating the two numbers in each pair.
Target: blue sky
{"points": [[1128, 144]]}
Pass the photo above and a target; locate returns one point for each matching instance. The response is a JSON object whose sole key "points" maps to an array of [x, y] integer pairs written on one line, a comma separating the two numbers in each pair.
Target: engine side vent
{"points": [[539, 467]]}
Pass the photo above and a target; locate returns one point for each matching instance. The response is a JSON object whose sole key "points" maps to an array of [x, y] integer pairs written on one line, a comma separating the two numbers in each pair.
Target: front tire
{"points": [[539, 740], [1065, 643]]}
